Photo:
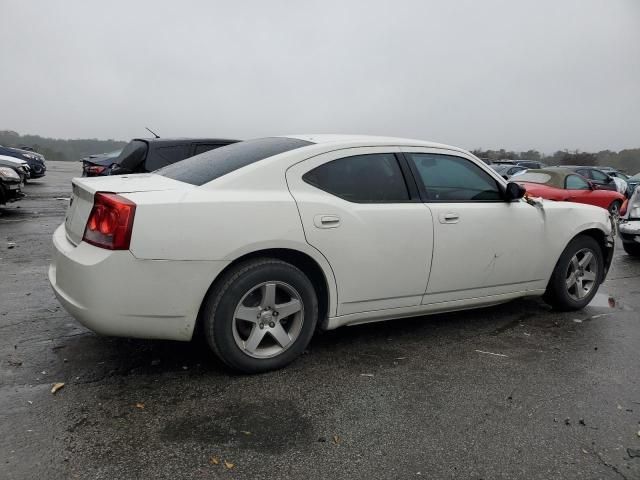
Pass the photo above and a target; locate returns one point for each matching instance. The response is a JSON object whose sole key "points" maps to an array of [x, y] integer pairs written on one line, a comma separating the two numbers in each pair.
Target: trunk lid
{"points": [[84, 189]]}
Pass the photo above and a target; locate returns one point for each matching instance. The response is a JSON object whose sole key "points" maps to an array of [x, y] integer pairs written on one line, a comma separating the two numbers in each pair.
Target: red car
{"points": [[567, 186]]}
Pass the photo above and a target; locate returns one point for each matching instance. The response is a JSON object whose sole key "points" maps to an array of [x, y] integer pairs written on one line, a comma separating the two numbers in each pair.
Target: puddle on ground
{"points": [[273, 426]]}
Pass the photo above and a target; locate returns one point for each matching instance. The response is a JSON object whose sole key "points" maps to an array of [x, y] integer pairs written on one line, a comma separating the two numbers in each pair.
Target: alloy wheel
{"points": [[268, 319], [582, 274]]}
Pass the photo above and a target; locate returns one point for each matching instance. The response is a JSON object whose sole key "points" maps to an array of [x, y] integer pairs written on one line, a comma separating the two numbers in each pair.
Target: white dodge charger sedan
{"points": [[257, 244]]}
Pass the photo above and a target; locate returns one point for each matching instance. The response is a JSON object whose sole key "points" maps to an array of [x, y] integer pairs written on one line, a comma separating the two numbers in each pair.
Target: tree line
{"points": [[59, 149], [70, 150]]}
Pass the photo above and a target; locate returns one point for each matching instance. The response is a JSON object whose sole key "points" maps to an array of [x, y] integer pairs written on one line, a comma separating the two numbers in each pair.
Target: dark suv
{"points": [[143, 155]]}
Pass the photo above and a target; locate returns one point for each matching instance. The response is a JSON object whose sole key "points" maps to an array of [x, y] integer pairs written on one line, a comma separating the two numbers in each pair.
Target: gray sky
{"points": [[546, 74]]}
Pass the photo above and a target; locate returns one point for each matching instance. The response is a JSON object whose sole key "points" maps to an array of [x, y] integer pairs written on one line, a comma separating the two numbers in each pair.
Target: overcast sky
{"points": [[546, 74]]}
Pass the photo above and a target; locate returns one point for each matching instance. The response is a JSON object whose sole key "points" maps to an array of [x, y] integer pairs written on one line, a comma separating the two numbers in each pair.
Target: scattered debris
{"points": [[581, 422], [184, 367], [228, 465], [245, 432], [491, 353], [322, 439], [14, 363], [140, 405], [56, 387], [155, 362], [584, 451], [366, 374], [336, 439], [29, 402], [567, 421], [400, 358], [11, 245], [593, 317], [633, 452], [577, 320], [214, 461]]}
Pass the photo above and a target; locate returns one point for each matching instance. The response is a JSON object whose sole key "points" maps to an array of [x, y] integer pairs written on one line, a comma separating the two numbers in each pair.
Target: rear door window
{"points": [[215, 163], [163, 156], [205, 147], [132, 156], [447, 178], [599, 176], [371, 178]]}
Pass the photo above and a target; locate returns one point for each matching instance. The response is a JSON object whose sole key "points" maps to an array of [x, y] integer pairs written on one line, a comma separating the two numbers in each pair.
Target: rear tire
{"points": [[261, 315], [632, 249], [576, 276]]}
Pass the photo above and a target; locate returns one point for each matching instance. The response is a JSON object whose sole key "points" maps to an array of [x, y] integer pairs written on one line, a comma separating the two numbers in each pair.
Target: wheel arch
{"points": [[606, 244], [320, 275]]}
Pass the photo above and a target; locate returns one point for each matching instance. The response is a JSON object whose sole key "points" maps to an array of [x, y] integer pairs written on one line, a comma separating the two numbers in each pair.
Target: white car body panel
{"points": [[395, 239], [383, 261]]}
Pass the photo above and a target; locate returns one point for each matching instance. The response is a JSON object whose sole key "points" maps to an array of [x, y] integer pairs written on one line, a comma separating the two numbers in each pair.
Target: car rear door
{"points": [[359, 211], [483, 245]]}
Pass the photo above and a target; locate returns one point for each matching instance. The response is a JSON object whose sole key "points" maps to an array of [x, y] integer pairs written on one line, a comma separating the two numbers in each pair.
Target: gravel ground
{"points": [[425, 397]]}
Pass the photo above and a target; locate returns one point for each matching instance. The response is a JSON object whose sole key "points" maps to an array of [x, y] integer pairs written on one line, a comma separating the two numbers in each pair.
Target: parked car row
{"points": [[17, 167], [258, 244]]}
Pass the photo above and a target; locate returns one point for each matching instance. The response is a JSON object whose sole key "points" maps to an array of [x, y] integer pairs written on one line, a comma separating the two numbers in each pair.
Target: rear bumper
{"points": [[114, 293]]}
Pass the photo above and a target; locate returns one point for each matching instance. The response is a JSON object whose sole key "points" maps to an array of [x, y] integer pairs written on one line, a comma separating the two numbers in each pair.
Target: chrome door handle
{"points": [[326, 221], [449, 217]]}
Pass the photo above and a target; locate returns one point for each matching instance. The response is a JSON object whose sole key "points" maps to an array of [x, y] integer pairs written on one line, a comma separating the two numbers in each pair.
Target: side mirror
{"points": [[514, 191], [592, 185]]}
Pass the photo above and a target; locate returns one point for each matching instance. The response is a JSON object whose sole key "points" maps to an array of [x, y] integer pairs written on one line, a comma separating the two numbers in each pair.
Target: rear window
{"points": [[210, 165], [132, 156], [534, 178]]}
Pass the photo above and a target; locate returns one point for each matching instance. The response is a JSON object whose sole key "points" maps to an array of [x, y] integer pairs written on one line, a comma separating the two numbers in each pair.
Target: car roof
{"points": [[556, 176], [369, 140], [180, 140]]}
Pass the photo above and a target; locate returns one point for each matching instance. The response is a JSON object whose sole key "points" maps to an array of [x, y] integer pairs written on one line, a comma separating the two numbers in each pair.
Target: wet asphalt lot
{"points": [[411, 398]]}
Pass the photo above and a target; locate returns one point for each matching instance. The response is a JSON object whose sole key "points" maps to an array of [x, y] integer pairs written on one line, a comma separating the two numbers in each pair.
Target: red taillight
{"points": [[95, 169], [110, 222]]}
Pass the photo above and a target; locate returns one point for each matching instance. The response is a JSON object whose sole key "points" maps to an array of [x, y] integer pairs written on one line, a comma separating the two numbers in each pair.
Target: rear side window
{"points": [[574, 182], [162, 156], [215, 163], [373, 178], [447, 178], [599, 176], [205, 147], [132, 155]]}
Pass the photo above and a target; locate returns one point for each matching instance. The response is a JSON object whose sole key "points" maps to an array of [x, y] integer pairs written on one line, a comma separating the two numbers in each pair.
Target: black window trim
{"points": [[423, 191], [412, 190]]}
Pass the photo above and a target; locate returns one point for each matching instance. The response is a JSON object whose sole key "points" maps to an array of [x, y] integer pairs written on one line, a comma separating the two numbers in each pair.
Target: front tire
{"points": [[632, 249], [261, 315], [614, 208], [577, 275]]}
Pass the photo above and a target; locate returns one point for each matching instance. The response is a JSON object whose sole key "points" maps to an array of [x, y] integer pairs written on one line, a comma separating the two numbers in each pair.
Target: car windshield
{"points": [[534, 177], [213, 164], [501, 168]]}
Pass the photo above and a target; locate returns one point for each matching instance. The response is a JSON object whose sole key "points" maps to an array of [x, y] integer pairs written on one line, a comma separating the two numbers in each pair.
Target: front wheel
{"points": [[614, 208], [261, 315], [577, 275]]}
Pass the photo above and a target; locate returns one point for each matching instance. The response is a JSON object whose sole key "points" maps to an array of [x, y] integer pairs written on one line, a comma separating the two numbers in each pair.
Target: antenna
{"points": [[152, 132]]}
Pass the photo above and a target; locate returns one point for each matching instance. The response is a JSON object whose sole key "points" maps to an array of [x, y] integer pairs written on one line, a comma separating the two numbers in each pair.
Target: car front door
{"points": [[358, 209], [483, 245]]}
